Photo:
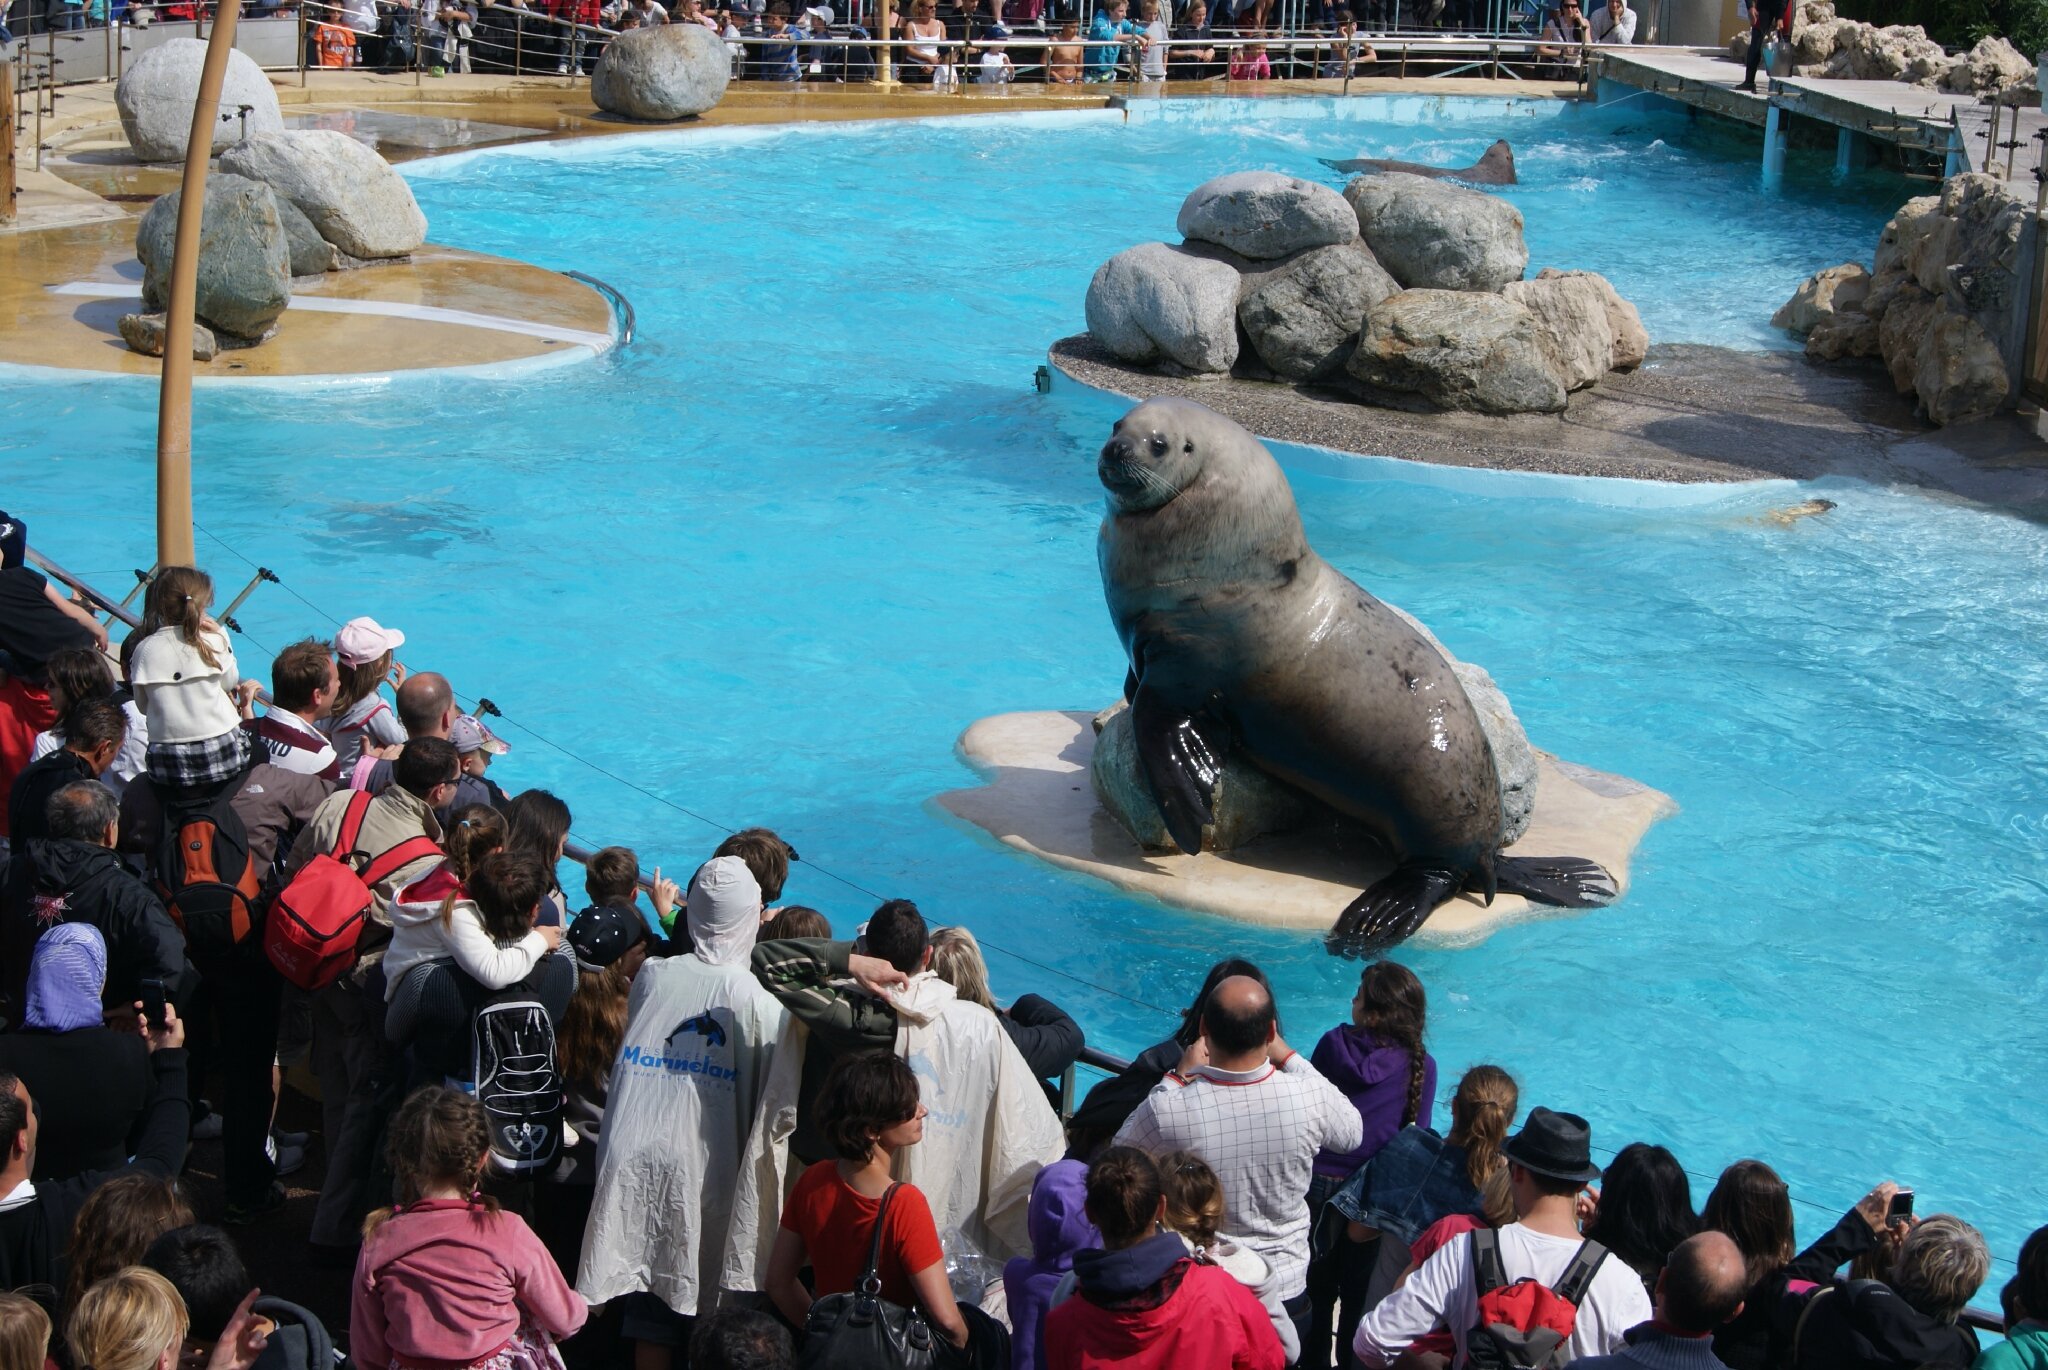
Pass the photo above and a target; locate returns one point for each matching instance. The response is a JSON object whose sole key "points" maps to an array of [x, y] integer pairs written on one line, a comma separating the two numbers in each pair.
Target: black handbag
{"points": [[863, 1330]]}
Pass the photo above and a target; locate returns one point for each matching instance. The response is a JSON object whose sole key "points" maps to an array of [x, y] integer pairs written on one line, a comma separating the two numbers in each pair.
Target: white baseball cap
{"points": [[361, 641]]}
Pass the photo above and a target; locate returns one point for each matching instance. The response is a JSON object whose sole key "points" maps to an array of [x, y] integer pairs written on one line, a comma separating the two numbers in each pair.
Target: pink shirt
{"points": [[443, 1283]]}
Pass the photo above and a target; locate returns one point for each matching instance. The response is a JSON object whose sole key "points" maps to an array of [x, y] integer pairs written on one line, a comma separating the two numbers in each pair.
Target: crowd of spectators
{"points": [[704, 1125]]}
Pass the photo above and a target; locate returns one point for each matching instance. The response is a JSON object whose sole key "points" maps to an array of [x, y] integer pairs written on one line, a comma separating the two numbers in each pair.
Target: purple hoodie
{"points": [[1373, 1075], [1059, 1227]]}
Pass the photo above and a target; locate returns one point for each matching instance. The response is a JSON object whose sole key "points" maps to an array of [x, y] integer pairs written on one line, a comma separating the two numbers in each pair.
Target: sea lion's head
{"points": [[1154, 452]]}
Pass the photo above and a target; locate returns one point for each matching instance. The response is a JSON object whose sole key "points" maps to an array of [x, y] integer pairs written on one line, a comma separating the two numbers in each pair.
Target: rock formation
{"points": [[156, 94], [1437, 236], [1264, 215], [1827, 46], [1455, 349], [661, 74], [1156, 302], [351, 196], [244, 265]]}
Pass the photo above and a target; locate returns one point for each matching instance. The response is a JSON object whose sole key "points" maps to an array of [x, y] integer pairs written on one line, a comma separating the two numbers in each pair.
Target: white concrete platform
{"points": [[1037, 799]]}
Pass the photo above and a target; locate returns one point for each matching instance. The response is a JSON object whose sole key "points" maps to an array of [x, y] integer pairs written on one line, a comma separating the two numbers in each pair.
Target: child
{"points": [[1194, 1209], [203, 1266], [361, 719], [996, 67], [1152, 65], [24, 1333], [186, 684], [476, 745], [1249, 63], [446, 1277], [1058, 1223], [1063, 59], [434, 916], [612, 879]]}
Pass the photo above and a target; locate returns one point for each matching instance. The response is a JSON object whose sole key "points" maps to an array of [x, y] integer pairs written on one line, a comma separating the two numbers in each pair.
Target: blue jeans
{"points": [[69, 18]]}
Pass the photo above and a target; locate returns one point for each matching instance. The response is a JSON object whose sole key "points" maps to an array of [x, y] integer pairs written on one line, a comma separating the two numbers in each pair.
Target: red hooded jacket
{"points": [[1148, 1307]]}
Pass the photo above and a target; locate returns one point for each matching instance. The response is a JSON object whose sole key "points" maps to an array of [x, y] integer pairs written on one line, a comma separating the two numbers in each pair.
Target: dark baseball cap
{"points": [[602, 934], [13, 540]]}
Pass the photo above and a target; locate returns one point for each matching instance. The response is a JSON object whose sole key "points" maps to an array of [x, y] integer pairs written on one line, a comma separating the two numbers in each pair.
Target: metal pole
{"points": [[174, 402], [884, 32], [1991, 134], [7, 183]]}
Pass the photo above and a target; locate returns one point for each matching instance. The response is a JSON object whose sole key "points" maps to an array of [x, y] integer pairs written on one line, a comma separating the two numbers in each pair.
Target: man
{"points": [[1258, 1113], [1699, 1289], [1614, 23], [426, 708], [1549, 1162], [73, 876], [360, 1074], [1765, 18], [94, 730], [243, 989], [989, 1128], [303, 684], [36, 1218], [1194, 63]]}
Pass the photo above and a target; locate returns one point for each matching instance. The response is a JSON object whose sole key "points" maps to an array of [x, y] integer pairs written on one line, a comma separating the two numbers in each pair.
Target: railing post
{"points": [[7, 174], [884, 33], [1066, 1094]]}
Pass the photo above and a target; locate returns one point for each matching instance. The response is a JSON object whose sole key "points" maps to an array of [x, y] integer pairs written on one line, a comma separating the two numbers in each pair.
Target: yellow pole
{"points": [[174, 401], [884, 51]]}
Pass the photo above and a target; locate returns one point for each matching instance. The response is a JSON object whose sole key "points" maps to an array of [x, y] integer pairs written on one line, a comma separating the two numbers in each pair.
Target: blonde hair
{"points": [[24, 1333], [956, 958], [1194, 1197], [1481, 1111], [1942, 1263], [126, 1322], [178, 598]]}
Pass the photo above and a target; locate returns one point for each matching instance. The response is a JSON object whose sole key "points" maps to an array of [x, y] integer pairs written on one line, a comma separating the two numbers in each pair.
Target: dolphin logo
{"points": [[705, 1026]]}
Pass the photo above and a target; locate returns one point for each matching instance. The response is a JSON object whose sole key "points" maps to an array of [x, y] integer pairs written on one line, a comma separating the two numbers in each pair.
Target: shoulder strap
{"points": [[1578, 1276], [870, 1279], [399, 857], [1486, 1260], [351, 825], [1799, 1328]]}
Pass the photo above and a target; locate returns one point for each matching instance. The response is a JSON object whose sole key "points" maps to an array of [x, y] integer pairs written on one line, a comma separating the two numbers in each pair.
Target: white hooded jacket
{"points": [[987, 1132]]}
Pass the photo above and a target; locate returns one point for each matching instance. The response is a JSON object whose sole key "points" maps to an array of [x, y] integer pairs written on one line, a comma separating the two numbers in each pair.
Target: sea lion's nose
{"points": [[1118, 448]]}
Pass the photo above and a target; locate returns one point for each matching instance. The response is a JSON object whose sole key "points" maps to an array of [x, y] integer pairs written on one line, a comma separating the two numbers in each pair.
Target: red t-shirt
{"points": [[25, 710], [836, 1224]]}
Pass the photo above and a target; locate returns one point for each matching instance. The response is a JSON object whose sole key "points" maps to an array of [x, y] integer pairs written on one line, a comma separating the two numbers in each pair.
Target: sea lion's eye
{"points": [[1158, 445]]}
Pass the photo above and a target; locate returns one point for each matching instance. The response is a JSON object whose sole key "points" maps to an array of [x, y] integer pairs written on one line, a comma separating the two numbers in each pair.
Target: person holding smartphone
{"points": [[1564, 35]]}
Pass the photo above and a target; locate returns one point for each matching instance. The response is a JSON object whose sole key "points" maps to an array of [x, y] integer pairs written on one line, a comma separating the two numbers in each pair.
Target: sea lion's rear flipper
{"points": [[1348, 167], [1391, 910], [1183, 758], [1568, 882]]}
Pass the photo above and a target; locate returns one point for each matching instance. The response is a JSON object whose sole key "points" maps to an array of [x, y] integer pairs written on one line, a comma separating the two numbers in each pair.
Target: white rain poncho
{"points": [[988, 1131], [699, 1045]]}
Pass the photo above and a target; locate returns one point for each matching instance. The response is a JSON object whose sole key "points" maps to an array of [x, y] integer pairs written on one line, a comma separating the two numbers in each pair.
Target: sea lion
{"points": [[1241, 639], [1792, 513], [1496, 167]]}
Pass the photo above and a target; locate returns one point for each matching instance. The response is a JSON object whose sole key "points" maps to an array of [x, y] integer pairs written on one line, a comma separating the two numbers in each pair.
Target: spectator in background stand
{"points": [[360, 719], [80, 673], [1064, 59], [449, 27], [1908, 1318], [1350, 50], [1108, 35], [187, 684], [777, 51], [1249, 62], [1613, 23], [1198, 61], [1560, 46], [1642, 1210], [611, 879], [304, 685], [426, 708], [996, 67], [919, 62]]}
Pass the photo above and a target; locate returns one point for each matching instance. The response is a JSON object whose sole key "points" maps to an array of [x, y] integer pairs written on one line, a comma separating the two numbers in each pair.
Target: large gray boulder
{"points": [[1571, 324], [1303, 315], [351, 195], [661, 74], [244, 267], [1992, 66], [1899, 333], [1264, 215], [1455, 350], [1631, 339], [1958, 374], [1434, 235], [1822, 295], [1158, 303], [156, 94]]}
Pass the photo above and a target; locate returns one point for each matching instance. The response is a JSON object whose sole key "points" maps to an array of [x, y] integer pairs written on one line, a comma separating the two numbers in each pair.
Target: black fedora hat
{"points": [[1559, 1145]]}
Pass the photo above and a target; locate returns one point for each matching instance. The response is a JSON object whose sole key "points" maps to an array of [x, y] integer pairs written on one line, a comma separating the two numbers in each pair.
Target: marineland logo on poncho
{"points": [[933, 1091], [660, 1058]]}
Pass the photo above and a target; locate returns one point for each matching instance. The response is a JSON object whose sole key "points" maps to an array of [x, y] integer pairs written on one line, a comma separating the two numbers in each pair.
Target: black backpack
{"points": [[299, 1341], [208, 884], [516, 1082]]}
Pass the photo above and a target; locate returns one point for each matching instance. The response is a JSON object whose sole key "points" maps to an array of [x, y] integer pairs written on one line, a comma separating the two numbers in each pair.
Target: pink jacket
{"points": [[442, 1282]]}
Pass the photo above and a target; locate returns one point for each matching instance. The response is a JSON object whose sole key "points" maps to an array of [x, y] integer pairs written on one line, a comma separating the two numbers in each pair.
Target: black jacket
{"points": [[34, 786], [1760, 1336], [34, 1234], [1044, 1035], [1863, 1325], [54, 880], [1111, 1103]]}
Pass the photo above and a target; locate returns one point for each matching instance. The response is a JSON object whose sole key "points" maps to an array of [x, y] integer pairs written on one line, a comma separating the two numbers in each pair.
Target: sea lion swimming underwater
{"points": [[1241, 640], [1495, 167]]}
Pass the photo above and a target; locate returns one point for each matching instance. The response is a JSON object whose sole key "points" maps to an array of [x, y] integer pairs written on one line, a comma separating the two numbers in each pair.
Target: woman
{"points": [[115, 1226], [925, 54], [611, 946], [1752, 1206], [134, 1320], [1143, 1301], [871, 1111], [537, 825], [1044, 1035], [1642, 1209], [90, 1082], [1377, 1061]]}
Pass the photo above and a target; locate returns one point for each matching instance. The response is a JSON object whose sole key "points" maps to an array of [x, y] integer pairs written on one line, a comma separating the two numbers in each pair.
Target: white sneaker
{"points": [[290, 1159]]}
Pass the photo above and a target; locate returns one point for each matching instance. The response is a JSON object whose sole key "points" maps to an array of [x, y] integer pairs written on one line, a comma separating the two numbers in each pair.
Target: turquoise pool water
{"points": [[767, 562]]}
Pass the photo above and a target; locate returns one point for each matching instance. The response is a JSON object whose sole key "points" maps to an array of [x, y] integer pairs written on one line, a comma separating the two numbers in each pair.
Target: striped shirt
{"points": [[1259, 1130]]}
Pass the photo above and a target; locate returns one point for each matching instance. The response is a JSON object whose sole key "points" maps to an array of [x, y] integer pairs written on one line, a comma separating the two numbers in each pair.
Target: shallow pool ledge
{"points": [[1038, 800]]}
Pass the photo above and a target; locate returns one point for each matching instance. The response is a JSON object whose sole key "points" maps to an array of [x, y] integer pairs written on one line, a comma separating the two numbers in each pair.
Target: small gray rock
{"points": [[1264, 215], [310, 253], [1156, 302], [1303, 315], [244, 267], [661, 74], [1455, 350], [145, 333], [351, 195], [157, 91], [1434, 235]]}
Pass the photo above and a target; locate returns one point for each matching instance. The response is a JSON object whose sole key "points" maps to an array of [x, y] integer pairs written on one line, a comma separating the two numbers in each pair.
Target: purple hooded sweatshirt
{"points": [[1373, 1075], [1059, 1227]]}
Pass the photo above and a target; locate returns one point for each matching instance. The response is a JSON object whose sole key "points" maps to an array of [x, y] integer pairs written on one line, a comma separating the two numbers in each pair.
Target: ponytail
{"points": [[179, 598], [1393, 1009], [474, 832], [1480, 1115]]}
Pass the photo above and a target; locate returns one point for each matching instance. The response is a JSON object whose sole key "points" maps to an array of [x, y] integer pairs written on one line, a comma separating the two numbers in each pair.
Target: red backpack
{"points": [[1525, 1325], [317, 919]]}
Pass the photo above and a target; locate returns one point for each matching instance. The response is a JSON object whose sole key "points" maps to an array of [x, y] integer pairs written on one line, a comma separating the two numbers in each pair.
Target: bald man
{"points": [[1257, 1112], [1701, 1287], [426, 706]]}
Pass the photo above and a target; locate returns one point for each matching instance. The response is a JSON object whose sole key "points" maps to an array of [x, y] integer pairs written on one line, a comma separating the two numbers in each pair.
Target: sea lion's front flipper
{"points": [[1568, 882], [1391, 910], [1183, 758]]}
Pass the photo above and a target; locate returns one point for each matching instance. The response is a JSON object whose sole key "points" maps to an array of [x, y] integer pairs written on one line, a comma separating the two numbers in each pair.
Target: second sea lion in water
{"points": [[1241, 639], [1495, 167]]}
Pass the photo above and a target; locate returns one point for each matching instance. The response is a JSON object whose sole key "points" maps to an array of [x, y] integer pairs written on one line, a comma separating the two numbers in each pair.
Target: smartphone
{"points": [[1901, 1208], [153, 1003]]}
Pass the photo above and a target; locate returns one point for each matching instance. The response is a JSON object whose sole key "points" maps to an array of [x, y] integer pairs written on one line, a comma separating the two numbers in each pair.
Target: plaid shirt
{"points": [[1259, 1130]]}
